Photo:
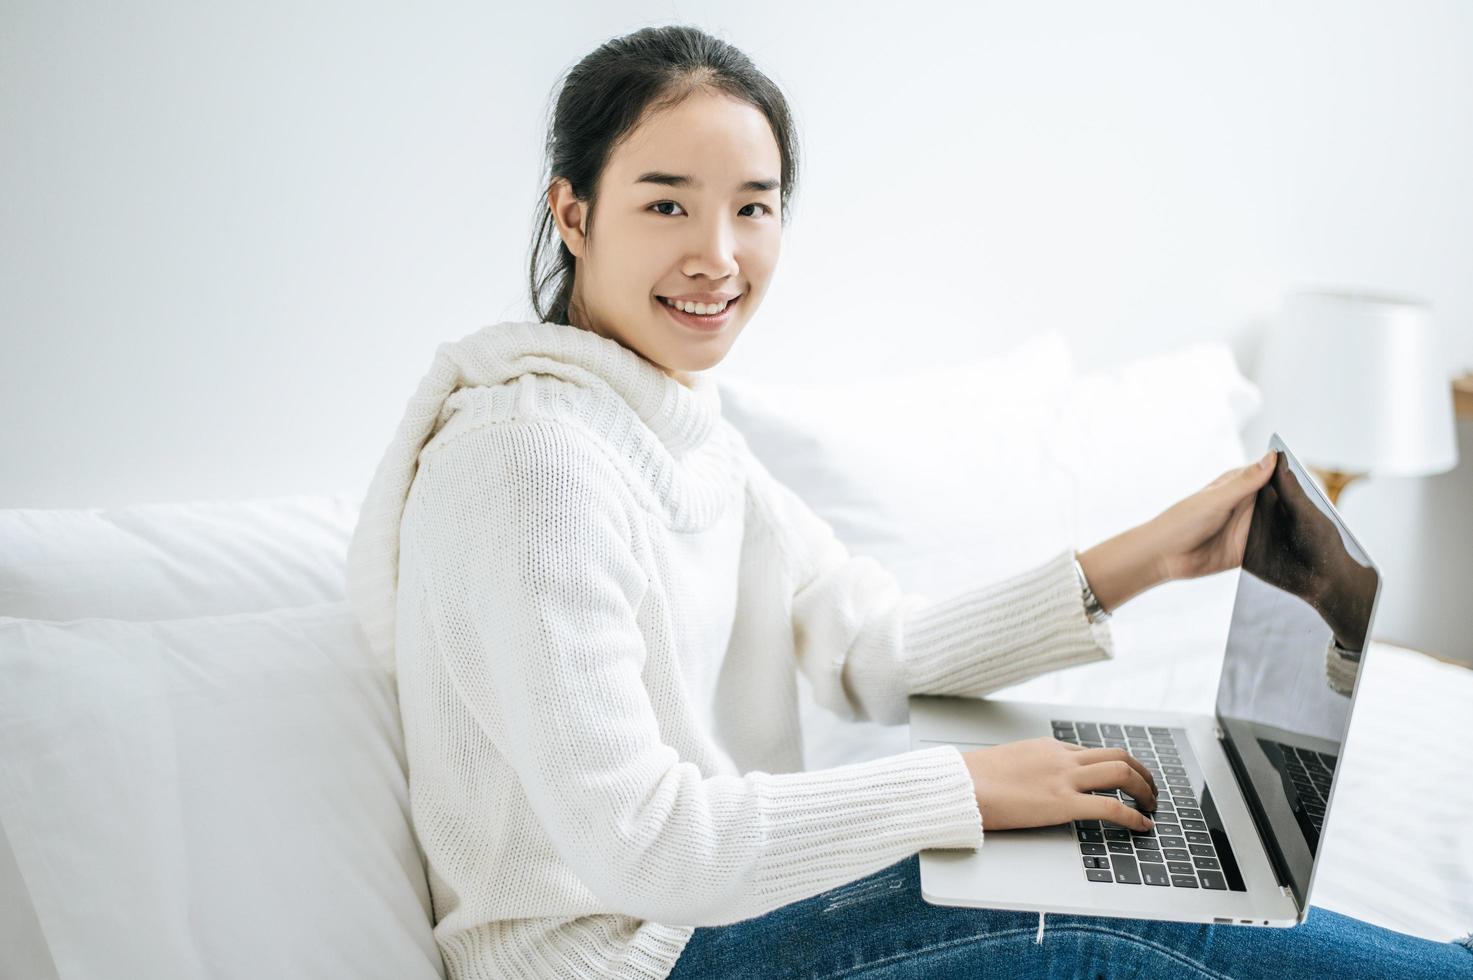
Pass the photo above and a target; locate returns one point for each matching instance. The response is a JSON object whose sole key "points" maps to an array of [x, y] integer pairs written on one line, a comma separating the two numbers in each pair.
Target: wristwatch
{"points": [[1092, 607], [1341, 666], [1342, 652]]}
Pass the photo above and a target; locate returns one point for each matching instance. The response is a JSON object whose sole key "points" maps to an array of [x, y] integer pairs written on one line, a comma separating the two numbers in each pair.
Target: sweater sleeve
{"points": [[867, 645], [533, 579]]}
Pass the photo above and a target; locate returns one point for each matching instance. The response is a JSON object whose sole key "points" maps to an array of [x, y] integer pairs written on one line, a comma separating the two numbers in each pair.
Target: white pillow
{"points": [[217, 796], [160, 561], [932, 472], [1135, 438]]}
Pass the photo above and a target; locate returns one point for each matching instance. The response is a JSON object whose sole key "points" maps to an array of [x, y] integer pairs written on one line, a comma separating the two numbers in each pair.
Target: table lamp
{"points": [[1356, 383]]}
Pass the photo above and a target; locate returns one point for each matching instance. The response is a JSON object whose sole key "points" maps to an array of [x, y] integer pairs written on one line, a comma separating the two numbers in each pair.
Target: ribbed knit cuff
{"points": [[993, 636], [828, 827]]}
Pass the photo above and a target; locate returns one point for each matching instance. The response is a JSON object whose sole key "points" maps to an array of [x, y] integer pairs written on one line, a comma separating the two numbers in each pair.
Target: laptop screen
{"points": [[1301, 621]]}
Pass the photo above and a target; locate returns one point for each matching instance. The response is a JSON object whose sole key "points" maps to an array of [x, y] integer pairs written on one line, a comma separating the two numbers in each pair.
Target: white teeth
{"points": [[702, 309]]}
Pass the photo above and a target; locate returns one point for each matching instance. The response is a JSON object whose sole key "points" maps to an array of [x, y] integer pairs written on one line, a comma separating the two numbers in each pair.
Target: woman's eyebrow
{"points": [[680, 180]]}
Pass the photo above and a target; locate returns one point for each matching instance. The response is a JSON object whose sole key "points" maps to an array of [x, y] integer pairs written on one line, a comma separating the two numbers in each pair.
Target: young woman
{"points": [[597, 601]]}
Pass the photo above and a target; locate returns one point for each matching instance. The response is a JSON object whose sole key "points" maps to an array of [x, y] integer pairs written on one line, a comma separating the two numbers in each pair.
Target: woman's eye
{"points": [[672, 204]]}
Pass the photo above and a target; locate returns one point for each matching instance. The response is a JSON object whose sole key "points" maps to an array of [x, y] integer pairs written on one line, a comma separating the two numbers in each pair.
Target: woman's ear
{"points": [[569, 214]]}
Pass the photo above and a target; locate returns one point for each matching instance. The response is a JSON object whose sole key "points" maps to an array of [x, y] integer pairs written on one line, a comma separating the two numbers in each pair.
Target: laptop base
{"points": [[1040, 869]]}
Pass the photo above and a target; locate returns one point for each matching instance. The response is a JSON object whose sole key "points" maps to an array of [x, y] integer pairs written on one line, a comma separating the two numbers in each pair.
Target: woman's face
{"points": [[676, 218]]}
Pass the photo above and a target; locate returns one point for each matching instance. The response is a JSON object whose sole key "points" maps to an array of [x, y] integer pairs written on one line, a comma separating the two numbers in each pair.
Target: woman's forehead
{"points": [[709, 141]]}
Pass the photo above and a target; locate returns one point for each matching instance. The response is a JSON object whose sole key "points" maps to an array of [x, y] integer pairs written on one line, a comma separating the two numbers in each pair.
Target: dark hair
{"points": [[604, 96]]}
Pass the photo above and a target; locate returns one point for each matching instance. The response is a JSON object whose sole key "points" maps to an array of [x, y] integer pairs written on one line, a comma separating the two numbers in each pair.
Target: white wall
{"points": [[232, 234]]}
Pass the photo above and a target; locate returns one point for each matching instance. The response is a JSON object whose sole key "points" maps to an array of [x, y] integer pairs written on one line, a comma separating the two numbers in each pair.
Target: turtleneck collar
{"points": [[666, 436], [682, 417]]}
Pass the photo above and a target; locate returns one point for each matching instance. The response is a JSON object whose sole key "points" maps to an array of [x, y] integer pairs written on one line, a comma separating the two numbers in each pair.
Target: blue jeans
{"points": [[880, 927]]}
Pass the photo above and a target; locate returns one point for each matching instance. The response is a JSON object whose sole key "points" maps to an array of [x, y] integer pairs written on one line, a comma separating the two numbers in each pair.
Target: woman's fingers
{"points": [[1117, 774], [1112, 809], [1111, 753]]}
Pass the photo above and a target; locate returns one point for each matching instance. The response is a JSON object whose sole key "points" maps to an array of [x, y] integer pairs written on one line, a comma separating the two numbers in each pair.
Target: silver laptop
{"points": [[1244, 794]]}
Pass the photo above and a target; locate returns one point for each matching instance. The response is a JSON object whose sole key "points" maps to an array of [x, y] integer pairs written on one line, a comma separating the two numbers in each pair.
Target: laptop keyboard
{"points": [[1187, 848]]}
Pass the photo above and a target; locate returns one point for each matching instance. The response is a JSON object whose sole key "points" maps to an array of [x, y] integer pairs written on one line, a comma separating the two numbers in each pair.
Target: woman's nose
{"points": [[713, 254]]}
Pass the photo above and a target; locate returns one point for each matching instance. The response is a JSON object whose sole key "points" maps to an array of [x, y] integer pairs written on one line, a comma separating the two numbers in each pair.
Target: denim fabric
{"points": [[880, 927]]}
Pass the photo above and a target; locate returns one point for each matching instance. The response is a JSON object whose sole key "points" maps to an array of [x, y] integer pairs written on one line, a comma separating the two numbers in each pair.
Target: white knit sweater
{"points": [[597, 601]]}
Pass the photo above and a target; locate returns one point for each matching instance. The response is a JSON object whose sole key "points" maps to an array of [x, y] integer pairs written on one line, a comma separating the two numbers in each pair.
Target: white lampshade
{"points": [[1356, 382]]}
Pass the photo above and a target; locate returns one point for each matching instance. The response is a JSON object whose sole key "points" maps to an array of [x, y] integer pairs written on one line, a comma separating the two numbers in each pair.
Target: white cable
{"points": [[1038, 939]]}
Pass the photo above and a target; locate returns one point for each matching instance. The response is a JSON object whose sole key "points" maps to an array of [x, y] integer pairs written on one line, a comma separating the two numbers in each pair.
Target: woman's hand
{"points": [[1206, 532], [1301, 552], [1039, 782]]}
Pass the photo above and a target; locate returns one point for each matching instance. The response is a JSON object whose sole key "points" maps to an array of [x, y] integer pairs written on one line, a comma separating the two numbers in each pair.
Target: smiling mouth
{"points": [[664, 301]]}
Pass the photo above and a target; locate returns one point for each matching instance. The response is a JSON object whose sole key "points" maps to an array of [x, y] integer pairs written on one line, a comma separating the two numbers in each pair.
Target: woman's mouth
{"points": [[706, 322]]}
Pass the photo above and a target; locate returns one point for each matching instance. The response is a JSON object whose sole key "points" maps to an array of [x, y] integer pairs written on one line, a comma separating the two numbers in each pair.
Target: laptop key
{"points": [[1169, 841], [1119, 847], [1126, 871], [1095, 874], [1093, 836], [1208, 864], [1180, 868], [1096, 862], [1155, 874], [1121, 834], [1092, 849], [1149, 857], [1202, 850], [1198, 837], [1147, 843], [1184, 881], [1212, 879], [1175, 854]]}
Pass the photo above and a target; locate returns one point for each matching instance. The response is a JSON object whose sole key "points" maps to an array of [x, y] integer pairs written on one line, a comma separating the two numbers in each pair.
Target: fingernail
{"points": [[1150, 823]]}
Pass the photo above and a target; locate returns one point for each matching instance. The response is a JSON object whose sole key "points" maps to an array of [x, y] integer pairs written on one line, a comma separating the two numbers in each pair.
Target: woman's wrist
{"points": [[1122, 567]]}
